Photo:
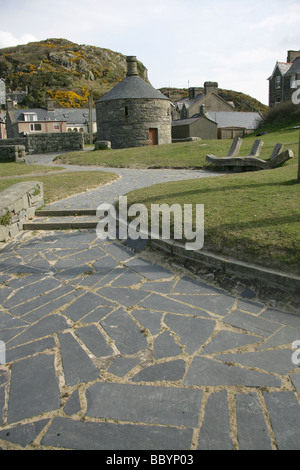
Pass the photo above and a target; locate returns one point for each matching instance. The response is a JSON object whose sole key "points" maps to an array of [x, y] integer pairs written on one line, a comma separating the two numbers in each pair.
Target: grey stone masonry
{"points": [[55, 142], [12, 152], [46, 143], [111, 348], [18, 204], [132, 129]]}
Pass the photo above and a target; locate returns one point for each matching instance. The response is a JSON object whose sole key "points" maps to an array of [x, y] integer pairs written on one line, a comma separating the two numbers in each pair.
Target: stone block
{"points": [[4, 233], [102, 145], [30, 213], [13, 230], [18, 205]]}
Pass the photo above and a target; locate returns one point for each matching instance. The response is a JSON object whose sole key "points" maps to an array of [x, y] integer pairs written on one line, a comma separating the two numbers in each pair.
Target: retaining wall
{"points": [[18, 204]]}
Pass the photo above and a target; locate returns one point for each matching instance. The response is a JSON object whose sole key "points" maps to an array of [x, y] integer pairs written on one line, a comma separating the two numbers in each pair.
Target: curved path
{"points": [[109, 349]]}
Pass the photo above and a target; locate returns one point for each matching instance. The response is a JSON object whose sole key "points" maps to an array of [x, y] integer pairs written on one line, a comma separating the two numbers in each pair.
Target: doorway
{"points": [[153, 136]]}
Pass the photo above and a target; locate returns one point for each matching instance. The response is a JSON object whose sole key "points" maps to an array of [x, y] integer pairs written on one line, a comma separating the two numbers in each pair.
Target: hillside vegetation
{"points": [[242, 102], [63, 70], [67, 72]]}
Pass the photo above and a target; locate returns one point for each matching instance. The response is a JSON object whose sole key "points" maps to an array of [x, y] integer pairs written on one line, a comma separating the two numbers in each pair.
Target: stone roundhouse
{"points": [[133, 113]]}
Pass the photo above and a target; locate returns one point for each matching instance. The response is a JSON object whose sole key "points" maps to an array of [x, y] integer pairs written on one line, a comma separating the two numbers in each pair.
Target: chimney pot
{"points": [[9, 104], [49, 104], [132, 69]]}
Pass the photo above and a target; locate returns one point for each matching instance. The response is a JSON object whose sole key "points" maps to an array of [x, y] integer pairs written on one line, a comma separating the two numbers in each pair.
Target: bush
{"points": [[286, 113]]}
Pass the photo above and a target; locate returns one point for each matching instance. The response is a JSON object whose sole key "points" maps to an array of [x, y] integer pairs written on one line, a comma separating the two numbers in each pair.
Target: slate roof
{"points": [[237, 119], [295, 68], [184, 122], [75, 116], [225, 119], [283, 68], [133, 87]]}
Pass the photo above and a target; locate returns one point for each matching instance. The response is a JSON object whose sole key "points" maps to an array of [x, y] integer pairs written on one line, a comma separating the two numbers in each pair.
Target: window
{"points": [[126, 110], [35, 127], [30, 117], [56, 127], [292, 81], [278, 81]]}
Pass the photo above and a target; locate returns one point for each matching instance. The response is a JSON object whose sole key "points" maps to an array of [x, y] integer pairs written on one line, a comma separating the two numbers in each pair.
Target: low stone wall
{"points": [[54, 142], [13, 152], [47, 143], [16, 141], [18, 204]]}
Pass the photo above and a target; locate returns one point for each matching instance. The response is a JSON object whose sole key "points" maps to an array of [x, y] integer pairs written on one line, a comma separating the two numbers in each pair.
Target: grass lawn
{"points": [[179, 155], [8, 168], [252, 216], [60, 186]]}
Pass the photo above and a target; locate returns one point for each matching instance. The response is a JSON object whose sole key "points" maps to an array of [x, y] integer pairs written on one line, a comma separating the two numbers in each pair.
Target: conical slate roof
{"points": [[133, 87]]}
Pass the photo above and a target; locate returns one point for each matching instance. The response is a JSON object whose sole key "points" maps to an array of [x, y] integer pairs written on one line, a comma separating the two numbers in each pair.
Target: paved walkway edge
{"points": [[273, 278]]}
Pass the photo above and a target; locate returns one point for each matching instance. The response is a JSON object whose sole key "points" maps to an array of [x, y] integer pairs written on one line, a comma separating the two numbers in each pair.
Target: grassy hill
{"points": [[67, 72], [242, 102], [63, 70]]}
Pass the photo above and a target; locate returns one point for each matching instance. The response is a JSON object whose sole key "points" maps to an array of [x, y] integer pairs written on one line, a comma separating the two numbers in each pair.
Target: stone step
{"points": [[64, 212], [62, 222]]}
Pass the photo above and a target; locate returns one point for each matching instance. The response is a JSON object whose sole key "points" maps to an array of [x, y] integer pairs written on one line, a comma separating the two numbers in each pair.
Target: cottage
{"points": [[47, 120], [215, 125], [207, 96], [282, 82], [133, 113]]}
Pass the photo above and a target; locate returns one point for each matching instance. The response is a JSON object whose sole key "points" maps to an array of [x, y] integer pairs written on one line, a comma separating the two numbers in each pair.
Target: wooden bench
{"points": [[251, 161]]}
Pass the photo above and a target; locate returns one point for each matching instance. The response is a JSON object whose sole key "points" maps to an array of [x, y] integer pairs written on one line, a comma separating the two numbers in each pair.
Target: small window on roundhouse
{"points": [[126, 110]]}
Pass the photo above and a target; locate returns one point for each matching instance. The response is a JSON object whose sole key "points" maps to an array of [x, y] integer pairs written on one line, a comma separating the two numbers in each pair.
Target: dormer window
{"points": [[30, 117]]}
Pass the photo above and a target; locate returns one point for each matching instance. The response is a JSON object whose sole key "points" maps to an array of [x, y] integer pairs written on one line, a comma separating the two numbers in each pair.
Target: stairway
{"points": [[63, 220]]}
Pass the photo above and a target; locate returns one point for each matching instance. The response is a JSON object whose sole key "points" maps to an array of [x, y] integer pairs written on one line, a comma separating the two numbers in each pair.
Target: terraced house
{"points": [[47, 120], [283, 81]]}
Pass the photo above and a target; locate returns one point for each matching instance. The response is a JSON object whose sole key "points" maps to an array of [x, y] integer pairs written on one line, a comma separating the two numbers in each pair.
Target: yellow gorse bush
{"points": [[70, 99]]}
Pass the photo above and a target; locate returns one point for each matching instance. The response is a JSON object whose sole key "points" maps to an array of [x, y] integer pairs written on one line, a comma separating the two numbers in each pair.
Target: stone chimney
{"points": [[194, 91], [9, 105], [292, 55], [202, 110], [49, 105], [132, 69], [210, 87]]}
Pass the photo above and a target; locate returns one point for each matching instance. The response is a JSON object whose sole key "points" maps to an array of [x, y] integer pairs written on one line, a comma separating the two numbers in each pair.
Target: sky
{"points": [[183, 43]]}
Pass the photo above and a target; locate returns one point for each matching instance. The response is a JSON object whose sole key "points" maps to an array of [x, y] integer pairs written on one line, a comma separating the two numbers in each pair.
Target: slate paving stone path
{"points": [[107, 348]]}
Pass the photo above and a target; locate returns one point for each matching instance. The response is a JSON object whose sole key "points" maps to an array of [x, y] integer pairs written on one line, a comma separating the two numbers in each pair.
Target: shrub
{"points": [[283, 113]]}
